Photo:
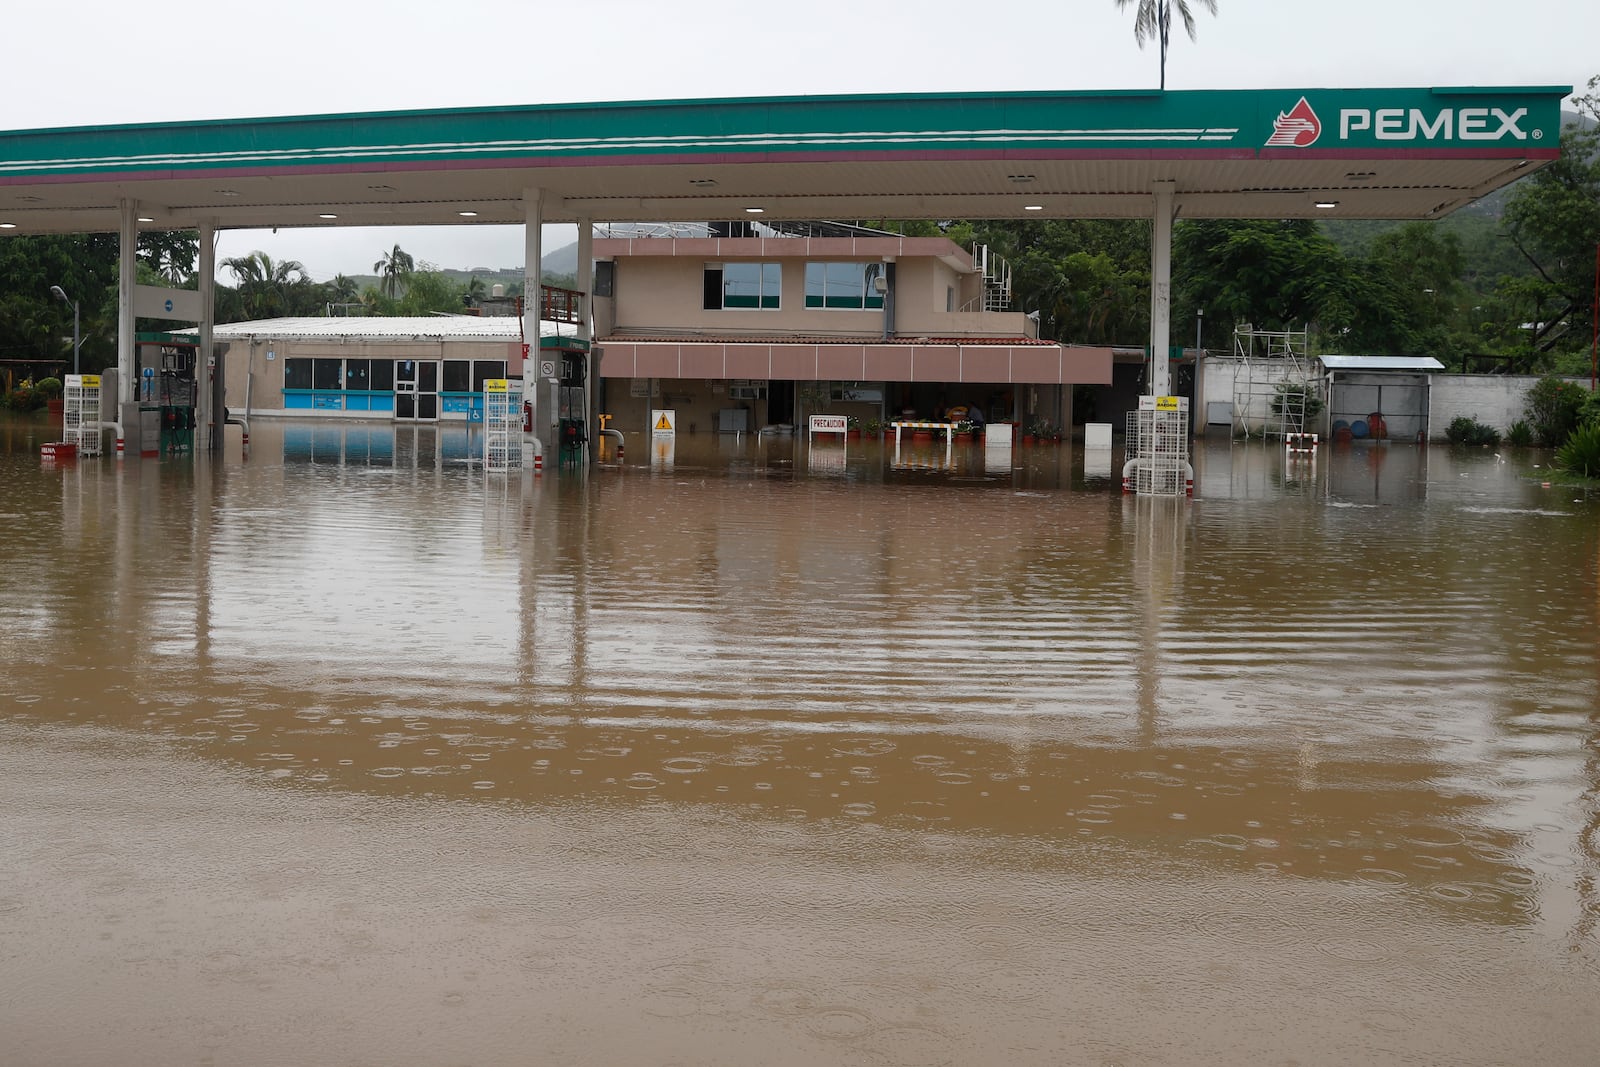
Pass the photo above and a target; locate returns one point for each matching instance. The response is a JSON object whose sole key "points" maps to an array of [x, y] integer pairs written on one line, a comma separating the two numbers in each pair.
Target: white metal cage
{"points": [[502, 425], [80, 413]]}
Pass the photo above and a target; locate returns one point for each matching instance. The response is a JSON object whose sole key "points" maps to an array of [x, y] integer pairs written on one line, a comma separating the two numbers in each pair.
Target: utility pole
{"points": [[76, 343]]}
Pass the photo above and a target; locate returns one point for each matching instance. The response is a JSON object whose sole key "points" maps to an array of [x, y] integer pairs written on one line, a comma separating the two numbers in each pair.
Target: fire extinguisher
{"points": [[527, 416]]}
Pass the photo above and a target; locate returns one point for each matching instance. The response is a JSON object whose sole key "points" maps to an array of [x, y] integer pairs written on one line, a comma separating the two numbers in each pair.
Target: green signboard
{"points": [[1262, 123]]}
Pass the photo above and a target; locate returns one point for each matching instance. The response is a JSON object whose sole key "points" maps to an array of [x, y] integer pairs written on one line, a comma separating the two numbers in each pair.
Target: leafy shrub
{"points": [[1581, 452], [49, 388], [1293, 397], [1468, 431], [1520, 434], [1589, 414], [25, 397], [1553, 407]]}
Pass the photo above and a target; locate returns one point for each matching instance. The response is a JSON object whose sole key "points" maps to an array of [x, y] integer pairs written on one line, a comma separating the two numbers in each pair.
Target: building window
{"points": [[484, 369], [743, 286], [327, 373], [457, 376], [297, 374], [850, 286]]}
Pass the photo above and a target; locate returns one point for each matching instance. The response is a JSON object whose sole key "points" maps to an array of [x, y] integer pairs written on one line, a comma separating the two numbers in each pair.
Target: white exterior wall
{"points": [[1496, 400], [1248, 387]]}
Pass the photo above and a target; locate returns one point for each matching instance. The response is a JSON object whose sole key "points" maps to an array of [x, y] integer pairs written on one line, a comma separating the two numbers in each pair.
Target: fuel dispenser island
{"points": [[165, 388], [559, 411]]}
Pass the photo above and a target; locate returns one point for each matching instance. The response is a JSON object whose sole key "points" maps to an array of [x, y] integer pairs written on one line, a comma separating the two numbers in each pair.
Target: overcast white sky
{"points": [[97, 62]]}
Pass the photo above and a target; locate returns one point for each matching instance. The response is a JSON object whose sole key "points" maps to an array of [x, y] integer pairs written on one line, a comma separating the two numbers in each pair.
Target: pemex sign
{"points": [[1416, 120]]}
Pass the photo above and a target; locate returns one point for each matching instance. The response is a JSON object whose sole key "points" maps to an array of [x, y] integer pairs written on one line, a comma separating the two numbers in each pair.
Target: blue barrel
{"points": [[1358, 428]]}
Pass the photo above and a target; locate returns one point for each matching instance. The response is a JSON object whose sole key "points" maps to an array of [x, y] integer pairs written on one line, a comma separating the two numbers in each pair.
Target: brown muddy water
{"points": [[347, 753]]}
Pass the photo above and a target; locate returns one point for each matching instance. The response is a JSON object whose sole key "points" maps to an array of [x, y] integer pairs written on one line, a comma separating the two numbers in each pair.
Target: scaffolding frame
{"points": [[1273, 385]]}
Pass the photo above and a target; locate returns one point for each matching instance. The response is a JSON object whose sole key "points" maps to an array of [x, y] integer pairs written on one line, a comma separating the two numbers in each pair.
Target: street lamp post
{"points": [[76, 343], [1199, 317]]}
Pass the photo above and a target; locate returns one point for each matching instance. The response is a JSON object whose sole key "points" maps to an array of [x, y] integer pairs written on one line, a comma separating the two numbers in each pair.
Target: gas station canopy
{"points": [[1268, 153]]}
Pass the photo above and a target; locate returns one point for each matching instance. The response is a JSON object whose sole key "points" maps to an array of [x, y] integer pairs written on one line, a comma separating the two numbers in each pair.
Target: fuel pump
{"points": [[572, 406], [165, 377]]}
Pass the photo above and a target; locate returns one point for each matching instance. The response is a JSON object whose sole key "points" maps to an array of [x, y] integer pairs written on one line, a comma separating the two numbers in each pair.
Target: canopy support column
{"points": [[1161, 290], [126, 276], [209, 378], [535, 390], [591, 404]]}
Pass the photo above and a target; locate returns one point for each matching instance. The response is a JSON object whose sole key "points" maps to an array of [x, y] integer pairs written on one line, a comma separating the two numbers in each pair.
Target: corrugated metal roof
{"points": [[430, 327], [1381, 363]]}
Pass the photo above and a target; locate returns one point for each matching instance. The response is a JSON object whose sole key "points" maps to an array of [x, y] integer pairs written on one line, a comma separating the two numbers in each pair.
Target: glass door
{"points": [[416, 390]]}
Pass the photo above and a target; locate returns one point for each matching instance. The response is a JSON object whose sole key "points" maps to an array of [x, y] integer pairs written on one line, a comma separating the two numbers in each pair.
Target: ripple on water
{"points": [[684, 765], [866, 746], [911, 1046], [1352, 950], [786, 999], [839, 1023]]}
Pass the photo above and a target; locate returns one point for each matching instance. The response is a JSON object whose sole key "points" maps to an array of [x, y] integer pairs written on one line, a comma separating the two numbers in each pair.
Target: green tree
{"points": [[1554, 218], [268, 288], [394, 269], [1153, 18], [428, 291], [1274, 275], [1087, 278], [35, 325], [343, 290]]}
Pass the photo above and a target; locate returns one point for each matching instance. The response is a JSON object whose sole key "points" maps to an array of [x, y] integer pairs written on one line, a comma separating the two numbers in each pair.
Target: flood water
{"points": [[346, 752]]}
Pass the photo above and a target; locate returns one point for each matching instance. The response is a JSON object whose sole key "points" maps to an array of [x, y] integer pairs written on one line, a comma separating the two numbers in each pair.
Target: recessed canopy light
{"points": [[468, 214], [1033, 207], [8, 225], [1020, 179], [754, 210], [143, 218], [702, 183], [327, 215], [381, 188], [1327, 204], [228, 192]]}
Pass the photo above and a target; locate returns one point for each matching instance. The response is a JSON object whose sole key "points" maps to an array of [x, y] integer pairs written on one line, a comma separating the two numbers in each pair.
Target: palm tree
{"points": [[1153, 18], [393, 268], [264, 285], [344, 289]]}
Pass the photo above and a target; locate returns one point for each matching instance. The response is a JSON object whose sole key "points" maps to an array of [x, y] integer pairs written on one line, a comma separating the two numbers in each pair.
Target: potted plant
{"points": [[963, 431], [852, 428], [872, 428]]}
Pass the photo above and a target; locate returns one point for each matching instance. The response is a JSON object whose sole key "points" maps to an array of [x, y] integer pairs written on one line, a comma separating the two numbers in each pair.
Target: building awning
{"points": [[1411, 363], [953, 360]]}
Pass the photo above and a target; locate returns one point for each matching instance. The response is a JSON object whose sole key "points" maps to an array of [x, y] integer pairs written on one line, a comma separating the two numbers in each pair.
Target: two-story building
{"points": [[732, 333], [740, 333]]}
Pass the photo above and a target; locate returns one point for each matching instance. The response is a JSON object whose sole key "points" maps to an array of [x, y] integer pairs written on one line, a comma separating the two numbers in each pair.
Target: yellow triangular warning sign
{"points": [[663, 424]]}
